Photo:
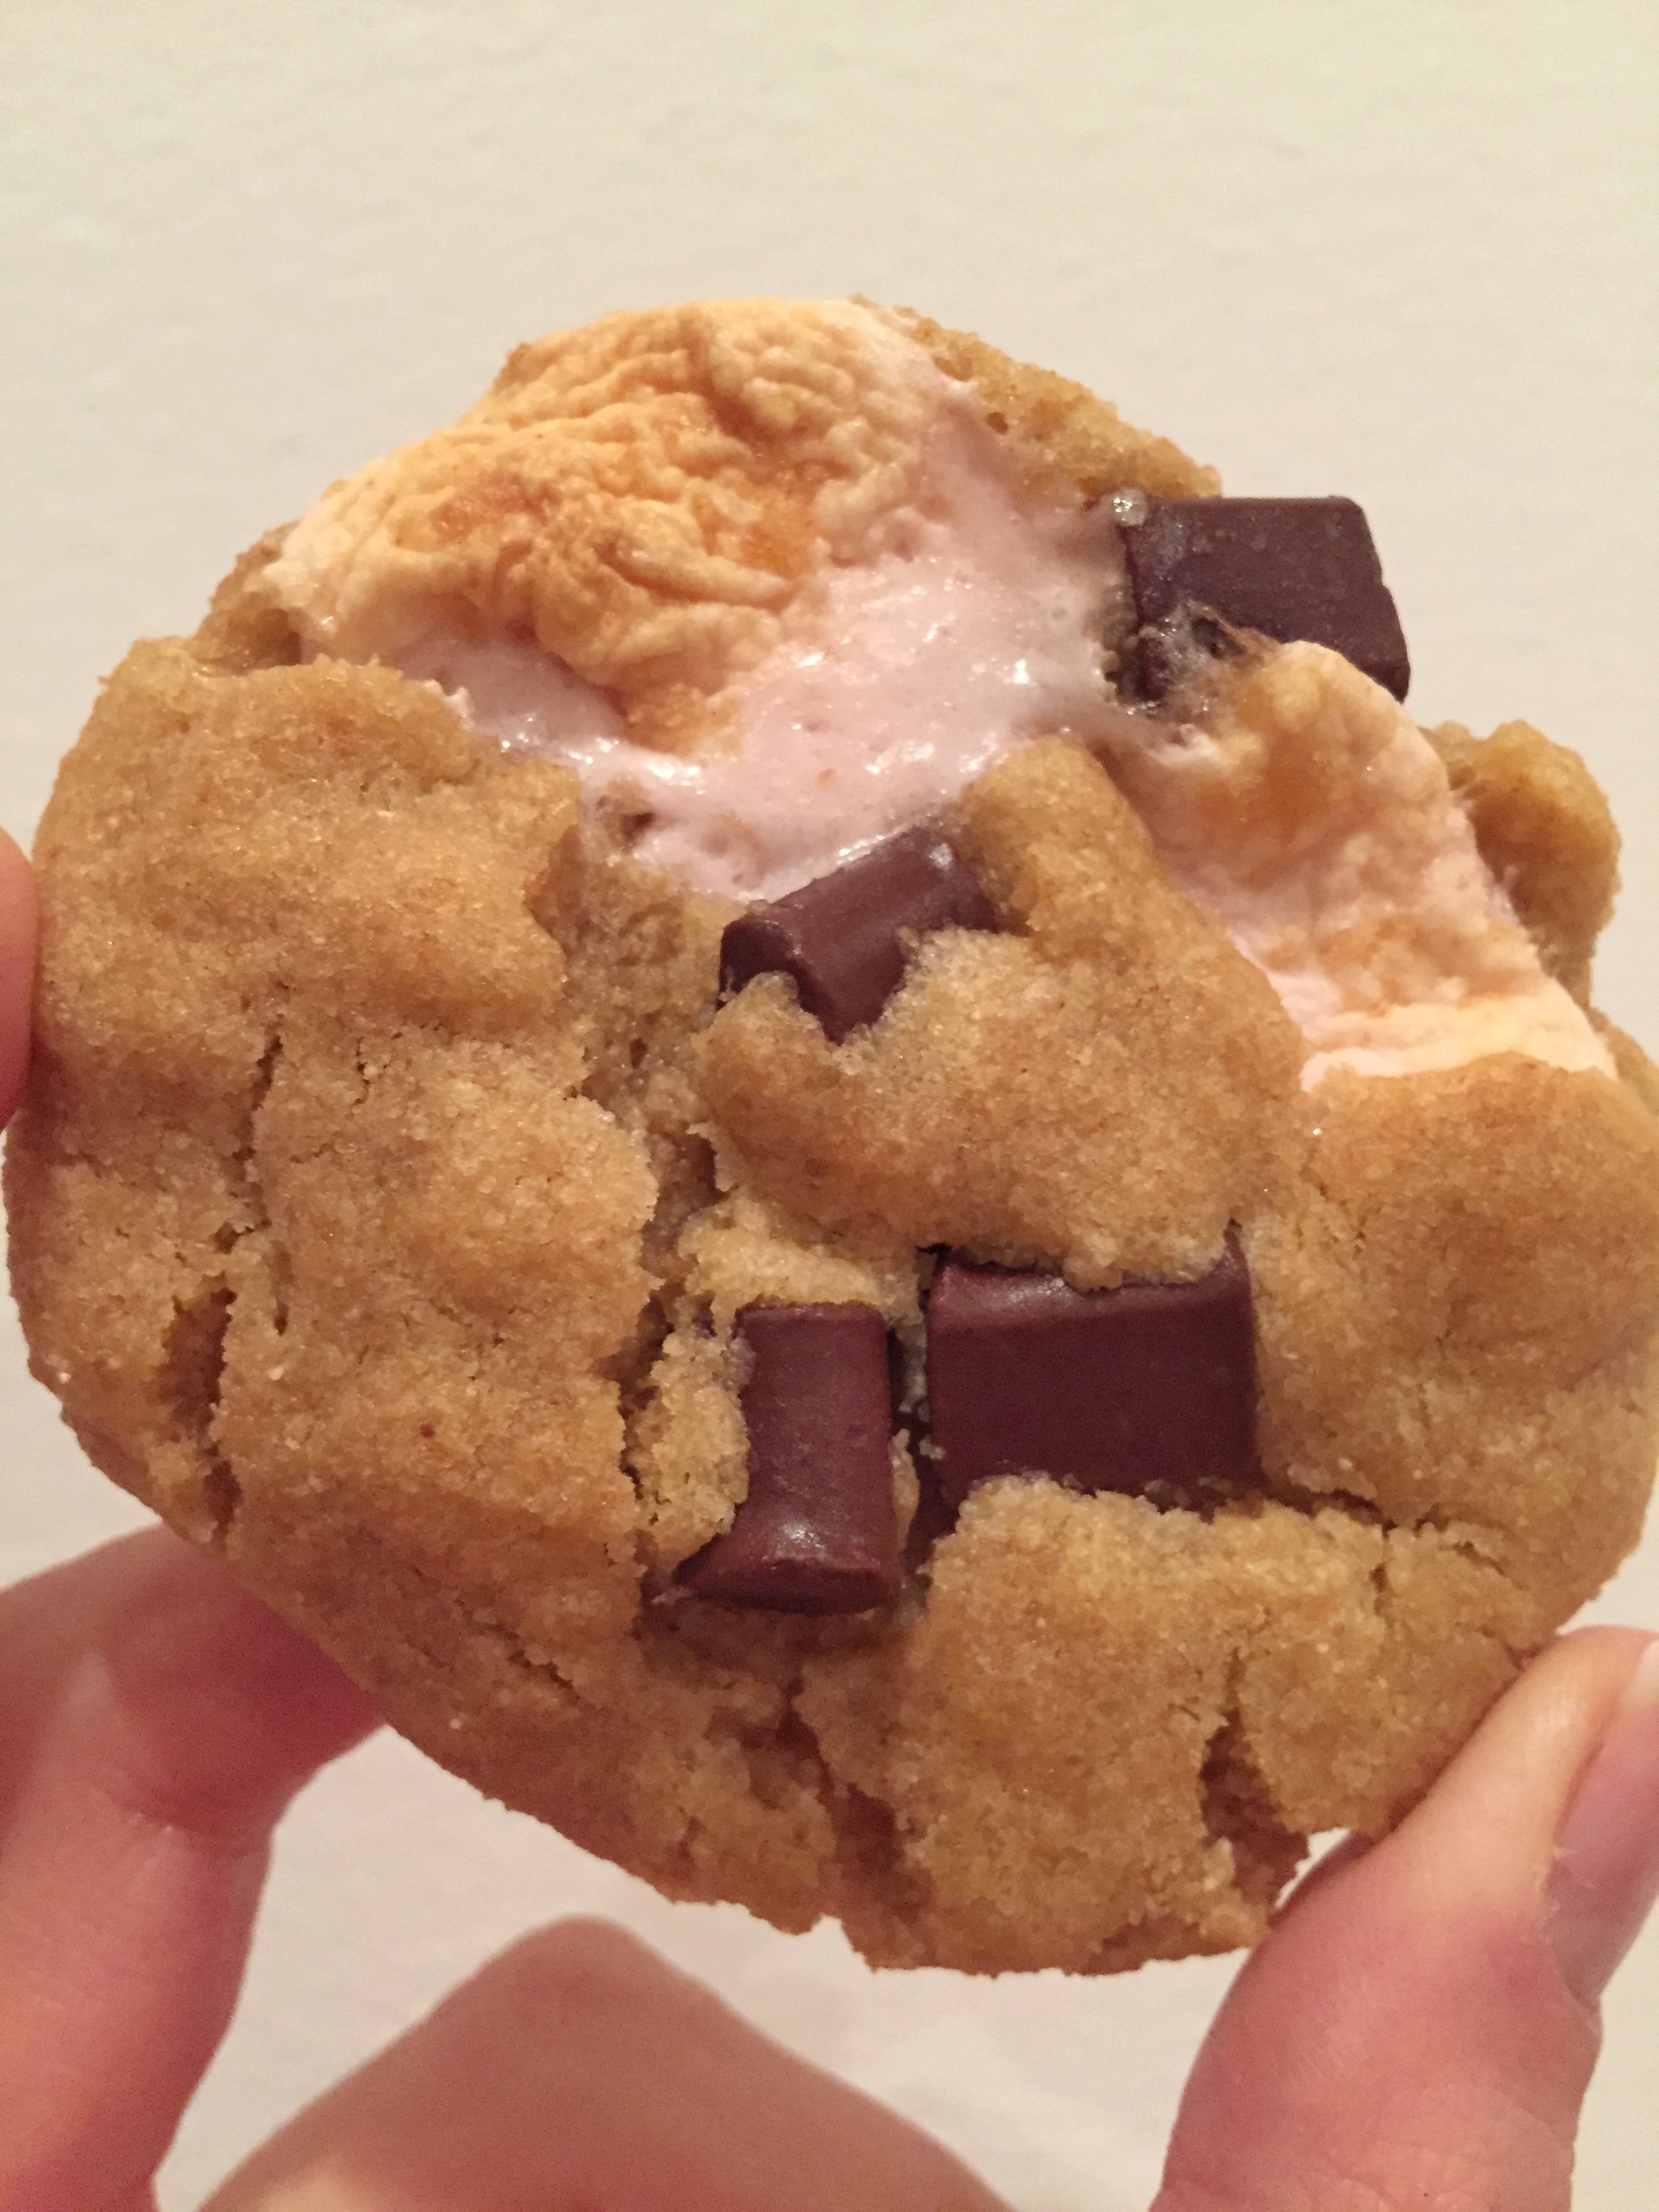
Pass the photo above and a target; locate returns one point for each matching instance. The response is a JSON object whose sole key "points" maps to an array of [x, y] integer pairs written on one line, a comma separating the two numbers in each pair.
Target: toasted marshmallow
{"points": [[767, 572], [766, 564], [1307, 809]]}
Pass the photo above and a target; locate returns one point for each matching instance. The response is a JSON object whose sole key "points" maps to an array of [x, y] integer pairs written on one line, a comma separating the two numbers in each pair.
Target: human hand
{"points": [[155, 1721], [1418, 2030]]}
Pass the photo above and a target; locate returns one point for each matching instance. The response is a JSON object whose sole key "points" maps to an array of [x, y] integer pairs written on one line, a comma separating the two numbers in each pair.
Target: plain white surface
{"points": [[1402, 251]]}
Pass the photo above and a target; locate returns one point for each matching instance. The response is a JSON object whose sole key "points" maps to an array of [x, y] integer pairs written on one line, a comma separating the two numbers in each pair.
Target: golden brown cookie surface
{"points": [[392, 1178]]}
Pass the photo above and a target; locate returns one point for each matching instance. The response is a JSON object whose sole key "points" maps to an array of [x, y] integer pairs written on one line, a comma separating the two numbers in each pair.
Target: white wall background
{"points": [[1399, 248]]}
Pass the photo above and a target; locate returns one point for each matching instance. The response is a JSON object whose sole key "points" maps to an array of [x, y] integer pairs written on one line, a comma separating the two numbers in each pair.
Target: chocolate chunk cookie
{"points": [[781, 1080]]}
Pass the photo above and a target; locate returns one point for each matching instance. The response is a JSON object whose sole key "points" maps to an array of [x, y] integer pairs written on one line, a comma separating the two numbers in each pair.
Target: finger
{"points": [[177, 1717], [576, 2070], [46, 1625], [17, 927], [1420, 2026]]}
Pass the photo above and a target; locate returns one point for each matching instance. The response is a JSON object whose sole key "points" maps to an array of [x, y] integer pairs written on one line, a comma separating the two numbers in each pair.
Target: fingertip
{"points": [[1412, 2017], [220, 1709], [1494, 1815], [1604, 1876], [18, 929], [588, 1961], [167, 1719]]}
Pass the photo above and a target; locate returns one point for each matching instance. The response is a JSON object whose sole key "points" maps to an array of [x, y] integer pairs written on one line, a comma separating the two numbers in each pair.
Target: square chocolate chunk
{"points": [[1289, 568], [1148, 1388]]}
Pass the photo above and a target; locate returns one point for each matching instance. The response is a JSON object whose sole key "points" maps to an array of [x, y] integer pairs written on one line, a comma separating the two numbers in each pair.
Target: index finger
{"points": [[173, 1723], [17, 937]]}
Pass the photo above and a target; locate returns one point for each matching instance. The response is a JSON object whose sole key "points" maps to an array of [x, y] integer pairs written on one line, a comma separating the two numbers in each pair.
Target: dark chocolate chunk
{"points": [[1289, 568], [846, 939], [1150, 1387], [819, 1530]]}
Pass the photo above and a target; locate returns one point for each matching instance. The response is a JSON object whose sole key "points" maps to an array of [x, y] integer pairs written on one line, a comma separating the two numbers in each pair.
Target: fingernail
{"points": [[1606, 1873]]}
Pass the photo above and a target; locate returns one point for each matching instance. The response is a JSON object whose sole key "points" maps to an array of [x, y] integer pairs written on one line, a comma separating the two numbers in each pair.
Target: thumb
{"points": [[1421, 2025], [17, 927]]}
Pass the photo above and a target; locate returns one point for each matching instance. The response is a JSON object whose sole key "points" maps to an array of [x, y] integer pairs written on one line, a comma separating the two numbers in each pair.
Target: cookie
{"points": [[781, 1080]]}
